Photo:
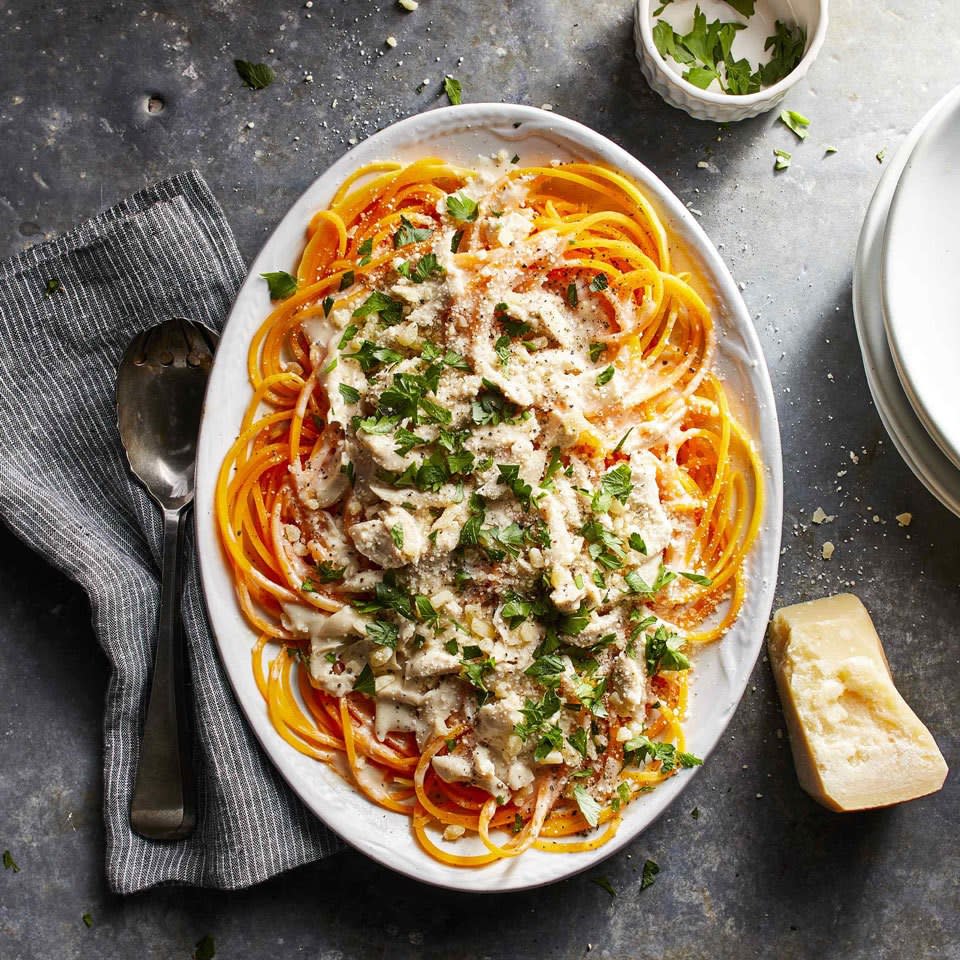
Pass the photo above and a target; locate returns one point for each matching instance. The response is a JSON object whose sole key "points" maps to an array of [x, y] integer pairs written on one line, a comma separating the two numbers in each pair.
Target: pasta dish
{"points": [[487, 498]]}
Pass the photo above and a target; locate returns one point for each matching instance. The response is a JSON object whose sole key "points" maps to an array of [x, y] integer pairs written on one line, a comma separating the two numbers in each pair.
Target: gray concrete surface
{"points": [[762, 872]]}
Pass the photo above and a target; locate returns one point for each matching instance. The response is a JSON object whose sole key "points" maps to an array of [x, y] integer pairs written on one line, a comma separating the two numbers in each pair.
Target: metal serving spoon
{"points": [[160, 386]]}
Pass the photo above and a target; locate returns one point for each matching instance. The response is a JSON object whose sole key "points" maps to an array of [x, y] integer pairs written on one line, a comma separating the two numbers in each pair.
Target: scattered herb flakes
{"points": [[87, 919], [599, 282], [256, 76], [51, 287], [9, 863], [588, 806], [782, 159], [205, 949], [455, 241], [650, 871], [515, 158], [597, 350], [788, 44], [327, 307], [453, 90], [797, 122], [462, 208], [572, 298], [605, 376], [346, 281], [695, 813], [604, 884], [389, 310], [428, 266], [881, 155], [365, 683], [281, 284], [697, 578], [408, 233], [829, 148]]}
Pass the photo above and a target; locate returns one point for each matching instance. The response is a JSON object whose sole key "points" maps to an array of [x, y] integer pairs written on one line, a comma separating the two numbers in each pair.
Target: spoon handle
{"points": [[163, 805]]}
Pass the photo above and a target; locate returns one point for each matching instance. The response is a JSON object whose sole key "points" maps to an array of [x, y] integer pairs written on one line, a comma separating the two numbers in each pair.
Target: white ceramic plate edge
{"points": [[927, 461], [723, 670], [925, 364]]}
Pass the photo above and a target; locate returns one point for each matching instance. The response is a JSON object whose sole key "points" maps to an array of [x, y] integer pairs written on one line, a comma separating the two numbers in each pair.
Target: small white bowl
{"points": [[715, 105]]}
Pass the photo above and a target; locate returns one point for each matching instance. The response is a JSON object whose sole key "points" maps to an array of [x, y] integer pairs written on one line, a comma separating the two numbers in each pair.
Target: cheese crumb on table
{"points": [[827, 550], [856, 743], [821, 516], [904, 519]]}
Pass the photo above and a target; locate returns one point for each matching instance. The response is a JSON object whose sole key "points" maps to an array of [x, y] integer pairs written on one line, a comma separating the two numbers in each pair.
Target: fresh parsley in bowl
{"points": [[727, 59]]}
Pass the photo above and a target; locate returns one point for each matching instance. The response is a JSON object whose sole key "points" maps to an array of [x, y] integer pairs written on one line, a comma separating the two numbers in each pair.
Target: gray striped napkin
{"points": [[68, 308]]}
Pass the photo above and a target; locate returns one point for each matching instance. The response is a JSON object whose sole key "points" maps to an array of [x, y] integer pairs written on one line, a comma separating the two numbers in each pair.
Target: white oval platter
{"points": [[462, 134]]}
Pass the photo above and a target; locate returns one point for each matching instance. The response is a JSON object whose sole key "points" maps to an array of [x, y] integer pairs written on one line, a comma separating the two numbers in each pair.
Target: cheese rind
{"points": [[856, 743]]}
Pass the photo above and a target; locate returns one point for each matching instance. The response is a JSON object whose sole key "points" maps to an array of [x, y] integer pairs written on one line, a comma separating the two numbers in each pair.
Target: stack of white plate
{"points": [[906, 300]]}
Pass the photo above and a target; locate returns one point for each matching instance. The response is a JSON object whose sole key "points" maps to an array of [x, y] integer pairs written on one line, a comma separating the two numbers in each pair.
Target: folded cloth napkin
{"points": [[68, 309]]}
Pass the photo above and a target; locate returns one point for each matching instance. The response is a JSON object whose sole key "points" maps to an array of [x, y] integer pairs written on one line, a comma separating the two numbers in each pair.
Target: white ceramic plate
{"points": [[920, 277], [931, 466], [461, 134]]}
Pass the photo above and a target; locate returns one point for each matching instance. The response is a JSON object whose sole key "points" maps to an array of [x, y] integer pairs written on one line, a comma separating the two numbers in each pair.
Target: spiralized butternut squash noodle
{"points": [[487, 497]]}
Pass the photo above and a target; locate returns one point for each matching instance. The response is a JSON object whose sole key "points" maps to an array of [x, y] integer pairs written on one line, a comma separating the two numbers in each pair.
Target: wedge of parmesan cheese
{"points": [[856, 743]]}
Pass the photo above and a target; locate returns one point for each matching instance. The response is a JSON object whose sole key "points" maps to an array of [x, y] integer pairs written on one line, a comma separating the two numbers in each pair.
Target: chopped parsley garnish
{"points": [[605, 547], [87, 919], [453, 90], [396, 535], [328, 573], [622, 441], [604, 884], [797, 122], [348, 334], [387, 595], [782, 160], [346, 281], [605, 376], [51, 287], [650, 871], [365, 683], [589, 807], [706, 52], [510, 477], [462, 208], [637, 543], [405, 440], [365, 250], [536, 715], [578, 740], [615, 484], [572, 297], [408, 233], [257, 76], [455, 241], [475, 673], [350, 394], [427, 267], [788, 44], [9, 863], [663, 652], [389, 310], [327, 307], [640, 750], [491, 407], [697, 578], [551, 739], [597, 350], [599, 282], [546, 669], [743, 7], [384, 633], [425, 610], [280, 284], [502, 349]]}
